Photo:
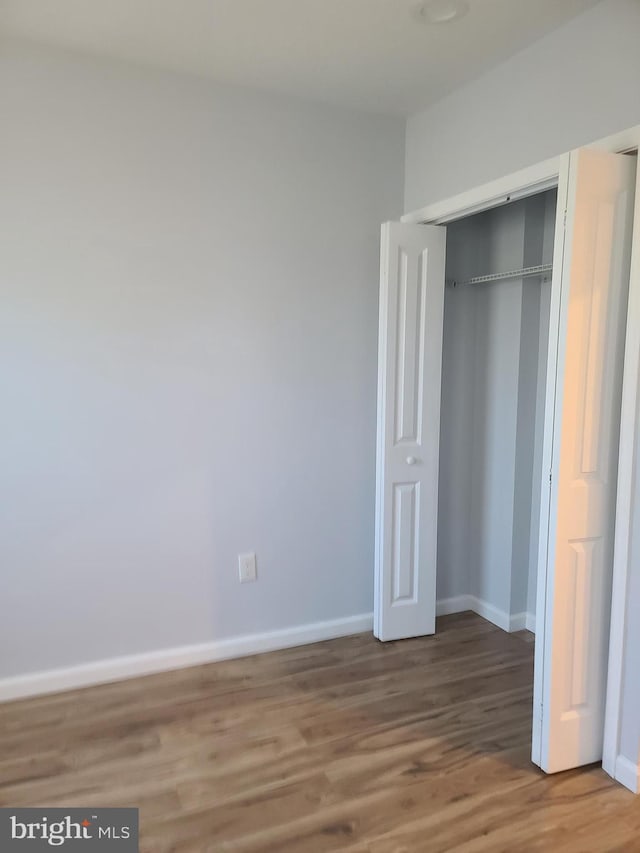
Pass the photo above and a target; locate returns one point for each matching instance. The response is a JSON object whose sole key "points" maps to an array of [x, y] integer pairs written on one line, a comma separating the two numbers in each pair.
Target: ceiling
{"points": [[377, 55]]}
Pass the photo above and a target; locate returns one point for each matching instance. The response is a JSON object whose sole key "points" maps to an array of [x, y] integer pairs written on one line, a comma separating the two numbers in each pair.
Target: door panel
{"points": [[409, 375], [571, 663]]}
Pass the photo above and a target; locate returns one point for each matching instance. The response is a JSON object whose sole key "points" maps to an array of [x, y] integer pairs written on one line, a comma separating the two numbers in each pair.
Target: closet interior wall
{"points": [[492, 415]]}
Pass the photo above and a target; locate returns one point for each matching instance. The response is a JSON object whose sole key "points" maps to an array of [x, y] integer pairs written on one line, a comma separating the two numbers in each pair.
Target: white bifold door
{"points": [[409, 374], [586, 344], [582, 435]]}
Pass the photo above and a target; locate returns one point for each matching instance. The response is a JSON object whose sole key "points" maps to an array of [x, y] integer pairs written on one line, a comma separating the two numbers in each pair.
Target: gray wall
{"points": [[530, 403], [496, 374], [492, 400], [466, 253], [572, 87], [189, 285], [544, 292], [630, 723]]}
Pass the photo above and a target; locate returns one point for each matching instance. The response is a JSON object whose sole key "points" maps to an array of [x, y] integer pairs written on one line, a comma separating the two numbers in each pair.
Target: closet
{"points": [[500, 364], [494, 360]]}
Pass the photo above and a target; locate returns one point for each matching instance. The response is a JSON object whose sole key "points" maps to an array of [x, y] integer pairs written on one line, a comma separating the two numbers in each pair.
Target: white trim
{"points": [[628, 774], [627, 473], [518, 622], [148, 663], [132, 666], [457, 604], [492, 614], [550, 458], [508, 622], [380, 430]]}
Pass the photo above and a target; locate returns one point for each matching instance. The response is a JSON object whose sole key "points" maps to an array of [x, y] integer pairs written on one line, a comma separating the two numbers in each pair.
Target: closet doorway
{"points": [[500, 372], [494, 363]]}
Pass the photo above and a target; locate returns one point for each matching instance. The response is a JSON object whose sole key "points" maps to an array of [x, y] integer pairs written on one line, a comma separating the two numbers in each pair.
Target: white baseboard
{"points": [[458, 604], [131, 666], [523, 622], [518, 622], [628, 774], [492, 614], [510, 623]]}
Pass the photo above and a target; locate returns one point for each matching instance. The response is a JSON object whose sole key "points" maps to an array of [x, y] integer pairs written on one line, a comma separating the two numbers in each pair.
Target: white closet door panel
{"points": [[595, 281], [410, 365]]}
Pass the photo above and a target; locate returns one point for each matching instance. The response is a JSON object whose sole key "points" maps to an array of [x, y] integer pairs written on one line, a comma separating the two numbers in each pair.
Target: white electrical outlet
{"points": [[247, 567]]}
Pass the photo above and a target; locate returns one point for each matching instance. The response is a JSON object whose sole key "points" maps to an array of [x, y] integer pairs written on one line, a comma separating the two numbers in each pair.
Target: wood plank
{"points": [[351, 745]]}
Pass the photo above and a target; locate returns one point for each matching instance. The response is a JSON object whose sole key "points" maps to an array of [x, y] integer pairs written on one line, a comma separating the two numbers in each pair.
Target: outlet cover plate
{"points": [[247, 567]]}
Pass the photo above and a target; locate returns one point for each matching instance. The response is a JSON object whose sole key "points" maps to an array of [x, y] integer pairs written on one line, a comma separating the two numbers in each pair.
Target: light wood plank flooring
{"points": [[352, 745]]}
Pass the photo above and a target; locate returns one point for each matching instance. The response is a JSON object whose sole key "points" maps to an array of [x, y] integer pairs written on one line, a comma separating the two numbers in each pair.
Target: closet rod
{"points": [[525, 272]]}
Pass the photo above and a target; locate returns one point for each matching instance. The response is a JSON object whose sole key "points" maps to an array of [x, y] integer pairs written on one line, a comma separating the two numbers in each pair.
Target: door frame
{"points": [[522, 184]]}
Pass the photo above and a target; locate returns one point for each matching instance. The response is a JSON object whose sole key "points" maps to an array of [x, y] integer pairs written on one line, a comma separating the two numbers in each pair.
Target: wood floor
{"points": [[352, 745]]}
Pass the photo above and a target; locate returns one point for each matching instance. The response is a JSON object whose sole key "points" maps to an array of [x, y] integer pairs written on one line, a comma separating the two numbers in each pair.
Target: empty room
{"points": [[320, 426]]}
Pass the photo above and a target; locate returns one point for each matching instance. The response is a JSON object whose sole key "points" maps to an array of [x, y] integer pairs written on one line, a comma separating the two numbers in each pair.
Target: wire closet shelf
{"points": [[526, 272]]}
